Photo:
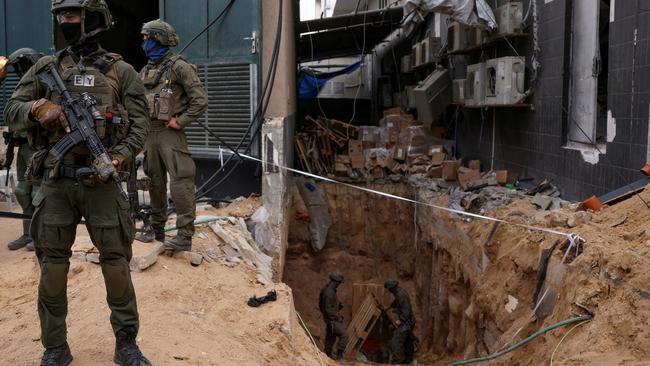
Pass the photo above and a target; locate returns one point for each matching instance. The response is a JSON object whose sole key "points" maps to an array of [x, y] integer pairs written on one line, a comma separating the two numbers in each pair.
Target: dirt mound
{"points": [[189, 315]]}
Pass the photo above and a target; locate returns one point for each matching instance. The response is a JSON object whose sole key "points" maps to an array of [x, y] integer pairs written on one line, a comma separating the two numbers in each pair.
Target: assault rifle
{"points": [[81, 115], [10, 141], [139, 211]]}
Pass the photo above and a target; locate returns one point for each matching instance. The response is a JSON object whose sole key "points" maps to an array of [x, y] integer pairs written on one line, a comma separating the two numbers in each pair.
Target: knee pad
{"points": [[117, 278], [54, 278]]}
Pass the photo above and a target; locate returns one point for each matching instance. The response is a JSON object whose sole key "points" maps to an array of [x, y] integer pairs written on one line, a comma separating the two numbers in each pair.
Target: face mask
{"points": [[71, 32], [153, 49]]}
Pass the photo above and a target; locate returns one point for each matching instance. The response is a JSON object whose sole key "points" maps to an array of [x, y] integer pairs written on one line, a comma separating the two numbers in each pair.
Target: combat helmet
{"points": [[162, 32], [24, 58], [94, 6], [336, 276]]}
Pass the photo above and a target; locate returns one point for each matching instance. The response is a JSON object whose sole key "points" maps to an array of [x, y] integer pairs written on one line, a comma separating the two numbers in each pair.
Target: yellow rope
{"points": [[304, 326], [562, 340]]}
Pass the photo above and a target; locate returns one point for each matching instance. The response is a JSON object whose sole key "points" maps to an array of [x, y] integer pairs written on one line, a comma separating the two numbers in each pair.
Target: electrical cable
{"points": [[565, 335], [524, 341], [223, 12], [361, 73], [260, 111]]}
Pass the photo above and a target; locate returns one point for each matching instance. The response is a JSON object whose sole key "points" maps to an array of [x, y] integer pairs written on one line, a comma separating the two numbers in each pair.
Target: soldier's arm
{"points": [[197, 98], [405, 311], [29, 89], [136, 105]]}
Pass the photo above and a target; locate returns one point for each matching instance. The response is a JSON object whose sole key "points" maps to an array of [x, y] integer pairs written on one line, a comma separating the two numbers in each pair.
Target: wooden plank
{"points": [[362, 324]]}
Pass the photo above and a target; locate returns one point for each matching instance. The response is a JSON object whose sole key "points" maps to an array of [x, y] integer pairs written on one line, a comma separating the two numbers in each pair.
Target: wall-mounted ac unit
{"points": [[504, 80], [509, 18], [431, 49], [418, 55], [433, 95], [460, 91], [407, 63], [475, 84], [461, 37]]}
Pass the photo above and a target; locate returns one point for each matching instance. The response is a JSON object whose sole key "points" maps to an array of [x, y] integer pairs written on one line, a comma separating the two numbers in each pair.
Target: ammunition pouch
{"points": [[36, 167]]}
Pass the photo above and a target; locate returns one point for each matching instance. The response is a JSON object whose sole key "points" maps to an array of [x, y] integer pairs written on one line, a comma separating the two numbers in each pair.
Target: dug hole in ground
{"points": [[472, 282]]}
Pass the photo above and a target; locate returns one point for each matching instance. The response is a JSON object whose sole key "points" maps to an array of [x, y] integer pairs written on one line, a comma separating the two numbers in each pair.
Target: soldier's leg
{"points": [[156, 170], [23, 195], [396, 345], [329, 339], [111, 231], [53, 231], [342, 334], [182, 172]]}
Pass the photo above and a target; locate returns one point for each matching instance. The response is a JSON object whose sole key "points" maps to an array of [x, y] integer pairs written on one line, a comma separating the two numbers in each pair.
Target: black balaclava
{"points": [[72, 33]]}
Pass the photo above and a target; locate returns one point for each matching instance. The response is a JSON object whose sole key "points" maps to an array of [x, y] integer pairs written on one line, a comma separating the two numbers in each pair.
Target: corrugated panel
{"points": [[231, 90], [6, 90]]}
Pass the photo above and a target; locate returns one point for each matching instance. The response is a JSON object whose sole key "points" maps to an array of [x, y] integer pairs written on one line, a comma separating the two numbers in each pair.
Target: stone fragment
{"points": [[579, 218], [543, 202], [92, 258], [145, 255], [193, 258]]}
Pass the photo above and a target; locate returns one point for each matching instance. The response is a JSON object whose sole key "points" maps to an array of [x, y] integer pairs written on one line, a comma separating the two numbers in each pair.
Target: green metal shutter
{"points": [[231, 90], [6, 90]]}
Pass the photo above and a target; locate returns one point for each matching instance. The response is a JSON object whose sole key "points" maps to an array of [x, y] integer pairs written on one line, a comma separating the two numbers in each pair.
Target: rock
{"points": [[75, 269], [145, 255], [620, 221], [92, 258], [556, 219], [579, 218], [512, 304], [543, 202], [195, 259]]}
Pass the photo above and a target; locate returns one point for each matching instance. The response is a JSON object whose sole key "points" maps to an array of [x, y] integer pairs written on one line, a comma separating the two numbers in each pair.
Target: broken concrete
{"points": [[145, 255]]}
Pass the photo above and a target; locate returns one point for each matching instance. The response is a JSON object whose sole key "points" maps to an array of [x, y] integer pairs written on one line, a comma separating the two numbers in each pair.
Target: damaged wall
{"points": [[532, 142]]}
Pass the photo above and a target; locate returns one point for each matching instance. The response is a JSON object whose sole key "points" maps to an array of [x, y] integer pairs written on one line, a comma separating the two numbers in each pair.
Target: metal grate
{"points": [[231, 90], [6, 90]]}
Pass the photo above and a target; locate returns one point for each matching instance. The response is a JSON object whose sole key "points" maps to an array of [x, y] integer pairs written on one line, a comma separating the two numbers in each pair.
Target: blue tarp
{"points": [[310, 82]]}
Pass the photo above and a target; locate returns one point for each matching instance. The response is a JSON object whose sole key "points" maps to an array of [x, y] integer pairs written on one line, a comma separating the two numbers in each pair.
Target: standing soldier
{"points": [[402, 343], [22, 60], [176, 98], [329, 306], [63, 199]]}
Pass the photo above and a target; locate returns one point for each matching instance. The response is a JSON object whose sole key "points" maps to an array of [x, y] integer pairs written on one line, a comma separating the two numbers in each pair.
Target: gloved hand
{"points": [[3, 67], [49, 115]]}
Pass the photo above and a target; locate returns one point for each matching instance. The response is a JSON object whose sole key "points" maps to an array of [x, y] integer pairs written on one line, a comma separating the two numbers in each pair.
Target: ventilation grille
{"points": [[6, 90], [231, 88]]}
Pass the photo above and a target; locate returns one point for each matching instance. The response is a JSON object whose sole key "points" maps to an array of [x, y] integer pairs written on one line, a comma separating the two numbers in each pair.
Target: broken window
{"points": [[588, 71]]}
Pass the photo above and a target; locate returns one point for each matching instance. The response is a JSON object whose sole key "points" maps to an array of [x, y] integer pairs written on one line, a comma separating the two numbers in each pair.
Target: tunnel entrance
{"points": [[373, 238]]}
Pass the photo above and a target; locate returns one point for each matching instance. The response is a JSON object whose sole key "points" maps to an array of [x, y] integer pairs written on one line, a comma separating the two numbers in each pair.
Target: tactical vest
{"points": [[97, 77], [165, 97]]}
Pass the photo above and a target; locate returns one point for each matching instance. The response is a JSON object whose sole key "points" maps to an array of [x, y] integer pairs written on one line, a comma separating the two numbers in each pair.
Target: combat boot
{"points": [[127, 352], [57, 356], [19, 243], [179, 243], [156, 233]]}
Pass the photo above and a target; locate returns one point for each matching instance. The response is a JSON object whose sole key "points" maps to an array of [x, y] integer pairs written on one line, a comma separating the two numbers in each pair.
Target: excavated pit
{"points": [[373, 238]]}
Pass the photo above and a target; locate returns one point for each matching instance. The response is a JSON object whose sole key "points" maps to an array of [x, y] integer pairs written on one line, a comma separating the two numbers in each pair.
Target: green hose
{"points": [[200, 220], [524, 341]]}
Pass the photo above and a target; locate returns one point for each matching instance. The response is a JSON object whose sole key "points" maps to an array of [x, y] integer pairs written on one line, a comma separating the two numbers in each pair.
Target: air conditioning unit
{"points": [[475, 84], [408, 97], [431, 49], [433, 95], [460, 91], [418, 55], [504, 80], [407, 63], [509, 18], [462, 37]]}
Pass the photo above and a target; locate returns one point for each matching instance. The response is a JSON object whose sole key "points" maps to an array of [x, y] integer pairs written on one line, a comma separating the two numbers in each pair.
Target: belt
{"points": [[64, 171]]}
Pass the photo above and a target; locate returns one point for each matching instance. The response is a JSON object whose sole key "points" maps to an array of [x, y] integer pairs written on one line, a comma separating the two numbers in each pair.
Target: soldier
{"points": [[401, 344], [22, 60], [329, 306], [62, 199], [176, 98]]}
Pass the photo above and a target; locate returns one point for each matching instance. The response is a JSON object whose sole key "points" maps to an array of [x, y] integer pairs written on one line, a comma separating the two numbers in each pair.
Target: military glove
{"points": [[49, 115]]}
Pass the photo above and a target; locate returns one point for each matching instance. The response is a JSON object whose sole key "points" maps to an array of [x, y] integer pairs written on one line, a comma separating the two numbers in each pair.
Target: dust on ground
{"points": [[189, 315]]}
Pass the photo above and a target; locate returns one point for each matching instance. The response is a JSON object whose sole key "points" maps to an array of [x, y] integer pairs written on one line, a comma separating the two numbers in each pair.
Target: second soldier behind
{"points": [[176, 98], [329, 306]]}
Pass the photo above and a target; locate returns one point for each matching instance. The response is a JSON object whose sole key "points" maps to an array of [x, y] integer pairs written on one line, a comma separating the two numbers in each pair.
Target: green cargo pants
{"points": [[24, 191], [60, 205], [166, 152]]}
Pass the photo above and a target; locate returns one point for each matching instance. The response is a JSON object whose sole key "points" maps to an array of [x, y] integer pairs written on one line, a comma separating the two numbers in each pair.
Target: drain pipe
{"points": [[378, 53]]}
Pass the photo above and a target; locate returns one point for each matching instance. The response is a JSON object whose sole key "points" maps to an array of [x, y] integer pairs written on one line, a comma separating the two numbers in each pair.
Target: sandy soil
{"points": [[189, 315]]}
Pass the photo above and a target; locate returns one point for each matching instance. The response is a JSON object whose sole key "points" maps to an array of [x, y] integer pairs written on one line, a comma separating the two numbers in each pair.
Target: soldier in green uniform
{"points": [[63, 199], [176, 98], [329, 306], [22, 60], [402, 343]]}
